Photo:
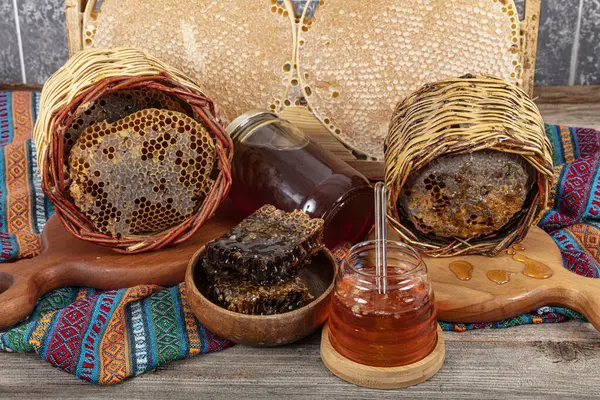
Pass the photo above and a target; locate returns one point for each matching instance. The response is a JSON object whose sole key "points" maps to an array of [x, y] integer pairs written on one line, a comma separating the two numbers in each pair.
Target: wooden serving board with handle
{"points": [[480, 300], [67, 261]]}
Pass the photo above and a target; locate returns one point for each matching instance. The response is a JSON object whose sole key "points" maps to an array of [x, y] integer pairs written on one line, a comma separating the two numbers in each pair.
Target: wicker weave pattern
{"points": [[90, 75], [463, 115]]}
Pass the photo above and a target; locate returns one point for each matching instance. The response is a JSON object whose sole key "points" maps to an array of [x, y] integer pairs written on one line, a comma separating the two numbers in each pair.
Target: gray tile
{"points": [[44, 36], [588, 62], [558, 21], [520, 7], [10, 64]]}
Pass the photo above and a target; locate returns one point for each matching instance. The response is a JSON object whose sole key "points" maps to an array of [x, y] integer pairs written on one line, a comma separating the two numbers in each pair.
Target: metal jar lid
{"points": [[241, 126]]}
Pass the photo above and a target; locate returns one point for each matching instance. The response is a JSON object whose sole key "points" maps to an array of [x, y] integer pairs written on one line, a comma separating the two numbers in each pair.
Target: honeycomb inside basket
{"points": [[467, 195], [115, 106], [142, 174], [262, 54]]}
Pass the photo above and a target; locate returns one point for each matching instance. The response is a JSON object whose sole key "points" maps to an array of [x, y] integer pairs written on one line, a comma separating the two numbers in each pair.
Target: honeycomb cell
{"points": [[134, 190]]}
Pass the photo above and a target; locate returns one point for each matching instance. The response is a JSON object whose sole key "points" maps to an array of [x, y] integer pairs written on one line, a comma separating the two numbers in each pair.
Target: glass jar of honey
{"points": [[386, 319], [275, 163]]}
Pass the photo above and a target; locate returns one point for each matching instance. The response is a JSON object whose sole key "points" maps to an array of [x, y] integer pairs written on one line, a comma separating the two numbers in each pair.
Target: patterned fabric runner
{"points": [[101, 337], [106, 337]]}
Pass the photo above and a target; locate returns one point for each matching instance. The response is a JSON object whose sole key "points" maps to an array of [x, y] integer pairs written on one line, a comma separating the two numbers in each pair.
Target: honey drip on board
{"points": [[462, 269], [511, 252], [533, 269], [518, 247], [498, 276]]}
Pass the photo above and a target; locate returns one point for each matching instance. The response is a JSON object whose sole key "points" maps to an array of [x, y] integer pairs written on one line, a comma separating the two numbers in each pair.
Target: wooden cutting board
{"points": [[67, 261], [480, 299]]}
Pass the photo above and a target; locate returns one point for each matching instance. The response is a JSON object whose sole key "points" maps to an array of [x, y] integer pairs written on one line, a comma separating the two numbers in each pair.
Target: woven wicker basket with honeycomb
{"points": [[130, 151], [468, 166]]}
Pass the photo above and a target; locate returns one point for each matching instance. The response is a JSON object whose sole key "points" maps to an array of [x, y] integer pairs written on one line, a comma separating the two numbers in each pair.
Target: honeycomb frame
{"points": [[356, 78], [298, 87], [215, 46]]}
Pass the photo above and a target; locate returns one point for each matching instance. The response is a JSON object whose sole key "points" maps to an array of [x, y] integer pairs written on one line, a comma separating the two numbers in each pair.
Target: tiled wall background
{"points": [[33, 42]]}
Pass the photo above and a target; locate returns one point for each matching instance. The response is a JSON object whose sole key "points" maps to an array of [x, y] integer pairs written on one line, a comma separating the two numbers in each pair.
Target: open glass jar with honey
{"points": [[275, 163], [386, 319]]}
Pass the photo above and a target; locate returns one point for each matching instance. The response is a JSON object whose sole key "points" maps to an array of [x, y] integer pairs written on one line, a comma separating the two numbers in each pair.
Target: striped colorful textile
{"points": [[101, 337], [106, 337], [23, 207]]}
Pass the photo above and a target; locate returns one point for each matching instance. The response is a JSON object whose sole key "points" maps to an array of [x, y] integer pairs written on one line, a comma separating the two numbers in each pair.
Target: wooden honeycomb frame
{"points": [[82, 15]]}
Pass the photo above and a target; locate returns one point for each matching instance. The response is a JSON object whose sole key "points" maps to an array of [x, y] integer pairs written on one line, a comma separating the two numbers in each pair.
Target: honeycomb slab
{"points": [[242, 295], [142, 174], [467, 195], [268, 246]]}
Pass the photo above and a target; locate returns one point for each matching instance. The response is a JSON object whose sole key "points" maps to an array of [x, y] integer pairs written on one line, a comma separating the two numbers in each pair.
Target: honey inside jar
{"points": [[380, 329], [275, 163]]}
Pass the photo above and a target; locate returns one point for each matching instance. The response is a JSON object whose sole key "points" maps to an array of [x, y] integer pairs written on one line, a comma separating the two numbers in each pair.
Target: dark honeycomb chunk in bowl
{"points": [[242, 295], [268, 246]]}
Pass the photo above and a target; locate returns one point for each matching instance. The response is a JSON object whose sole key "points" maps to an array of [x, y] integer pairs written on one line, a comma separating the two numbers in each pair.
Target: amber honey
{"points": [[275, 163], [383, 329], [462, 269]]}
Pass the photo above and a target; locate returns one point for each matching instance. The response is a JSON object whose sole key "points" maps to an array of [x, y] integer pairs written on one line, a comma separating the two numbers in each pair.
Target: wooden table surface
{"points": [[551, 361]]}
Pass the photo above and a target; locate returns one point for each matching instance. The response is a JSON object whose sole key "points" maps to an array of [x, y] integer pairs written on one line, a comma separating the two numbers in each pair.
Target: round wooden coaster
{"points": [[382, 378]]}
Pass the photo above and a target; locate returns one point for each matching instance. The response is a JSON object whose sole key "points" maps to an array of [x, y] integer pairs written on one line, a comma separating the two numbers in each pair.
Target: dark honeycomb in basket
{"points": [[142, 174], [268, 246], [242, 295], [115, 106], [467, 195]]}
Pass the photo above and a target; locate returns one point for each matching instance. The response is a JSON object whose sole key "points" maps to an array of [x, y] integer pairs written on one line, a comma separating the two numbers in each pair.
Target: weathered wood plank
{"points": [[566, 94], [550, 361], [583, 115], [11, 87]]}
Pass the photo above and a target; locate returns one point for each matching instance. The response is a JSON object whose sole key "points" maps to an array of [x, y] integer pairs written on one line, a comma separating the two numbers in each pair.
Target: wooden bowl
{"points": [[266, 330]]}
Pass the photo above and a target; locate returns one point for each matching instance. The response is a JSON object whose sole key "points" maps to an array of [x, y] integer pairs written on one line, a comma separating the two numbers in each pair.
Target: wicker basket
{"points": [[85, 78], [458, 116]]}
